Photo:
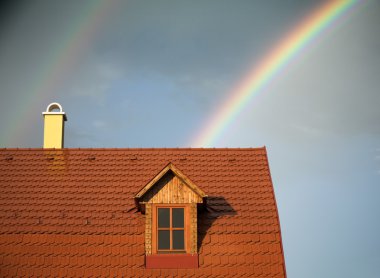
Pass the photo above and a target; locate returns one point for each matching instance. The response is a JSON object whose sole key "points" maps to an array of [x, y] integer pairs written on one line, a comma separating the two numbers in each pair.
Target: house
{"points": [[173, 212]]}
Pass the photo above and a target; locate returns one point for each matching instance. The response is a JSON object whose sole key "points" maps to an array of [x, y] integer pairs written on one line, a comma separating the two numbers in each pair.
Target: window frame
{"points": [[155, 229]]}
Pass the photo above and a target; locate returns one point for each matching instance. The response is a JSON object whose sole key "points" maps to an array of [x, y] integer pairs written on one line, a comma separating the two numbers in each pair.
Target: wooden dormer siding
{"points": [[170, 189]]}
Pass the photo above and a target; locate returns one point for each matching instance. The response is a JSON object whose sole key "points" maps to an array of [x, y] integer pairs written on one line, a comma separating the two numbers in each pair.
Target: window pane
{"points": [[163, 240], [178, 218], [178, 240], [163, 218]]}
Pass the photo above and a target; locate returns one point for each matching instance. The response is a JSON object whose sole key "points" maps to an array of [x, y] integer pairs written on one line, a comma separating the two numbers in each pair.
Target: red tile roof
{"points": [[70, 212]]}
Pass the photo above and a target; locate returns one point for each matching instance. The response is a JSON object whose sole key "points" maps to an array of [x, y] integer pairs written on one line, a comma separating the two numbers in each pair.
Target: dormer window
{"points": [[170, 202], [170, 234]]}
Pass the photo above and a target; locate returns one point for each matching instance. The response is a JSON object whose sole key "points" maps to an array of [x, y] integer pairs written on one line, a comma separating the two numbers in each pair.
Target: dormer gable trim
{"points": [[179, 174]]}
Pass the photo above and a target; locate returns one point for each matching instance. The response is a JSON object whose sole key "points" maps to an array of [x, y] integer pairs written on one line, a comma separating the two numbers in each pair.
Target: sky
{"points": [[153, 73]]}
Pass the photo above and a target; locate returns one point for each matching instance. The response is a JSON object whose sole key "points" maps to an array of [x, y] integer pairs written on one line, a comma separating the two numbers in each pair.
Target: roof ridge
{"points": [[135, 149]]}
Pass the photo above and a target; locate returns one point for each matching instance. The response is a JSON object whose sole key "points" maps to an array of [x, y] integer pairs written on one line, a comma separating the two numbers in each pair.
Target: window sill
{"points": [[171, 261]]}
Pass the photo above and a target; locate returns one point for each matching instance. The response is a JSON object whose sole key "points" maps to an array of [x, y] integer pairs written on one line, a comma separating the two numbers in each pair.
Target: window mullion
{"points": [[170, 230]]}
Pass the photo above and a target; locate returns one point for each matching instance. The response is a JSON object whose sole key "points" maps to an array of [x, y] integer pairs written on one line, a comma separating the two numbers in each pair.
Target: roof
{"points": [[71, 212]]}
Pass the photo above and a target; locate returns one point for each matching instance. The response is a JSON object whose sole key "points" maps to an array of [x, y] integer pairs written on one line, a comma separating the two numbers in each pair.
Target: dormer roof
{"points": [[170, 168]]}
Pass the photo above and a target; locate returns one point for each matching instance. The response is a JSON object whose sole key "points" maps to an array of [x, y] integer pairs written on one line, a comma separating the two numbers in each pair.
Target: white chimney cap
{"points": [[51, 107]]}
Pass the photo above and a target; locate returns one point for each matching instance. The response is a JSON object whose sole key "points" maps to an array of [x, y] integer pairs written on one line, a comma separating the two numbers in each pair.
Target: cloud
{"points": [[95, 81], [99, 124], [79, 137], [307, 130], [377, 160]]}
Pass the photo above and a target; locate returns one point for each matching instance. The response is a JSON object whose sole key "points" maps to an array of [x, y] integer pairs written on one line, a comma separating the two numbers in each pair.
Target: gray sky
{"points": [[152, 73]]}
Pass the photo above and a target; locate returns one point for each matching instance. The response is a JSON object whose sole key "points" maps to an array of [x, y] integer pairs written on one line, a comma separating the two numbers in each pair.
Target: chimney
{"points": [[54, 123]]}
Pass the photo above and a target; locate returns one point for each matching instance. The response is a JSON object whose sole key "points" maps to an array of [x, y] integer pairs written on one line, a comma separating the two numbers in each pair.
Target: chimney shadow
{"points": [[216, 207]]}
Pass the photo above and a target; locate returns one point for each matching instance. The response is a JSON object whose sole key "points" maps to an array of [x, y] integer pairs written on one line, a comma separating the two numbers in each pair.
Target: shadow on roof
{"points": [[217, 206]]}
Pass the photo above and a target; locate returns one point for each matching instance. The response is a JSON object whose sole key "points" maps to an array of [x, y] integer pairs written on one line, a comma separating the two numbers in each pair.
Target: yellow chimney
{"points": [[54, 123]]}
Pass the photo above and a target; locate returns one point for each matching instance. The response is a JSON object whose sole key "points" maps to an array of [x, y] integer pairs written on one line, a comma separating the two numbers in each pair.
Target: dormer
{"points": [[170, 202]]}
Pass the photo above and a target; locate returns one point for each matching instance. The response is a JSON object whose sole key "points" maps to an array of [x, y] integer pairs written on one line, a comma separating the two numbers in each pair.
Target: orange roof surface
{"points": [[71, 212]]}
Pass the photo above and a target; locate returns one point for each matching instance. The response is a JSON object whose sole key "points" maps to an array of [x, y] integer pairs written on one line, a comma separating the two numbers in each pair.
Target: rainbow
{"points": [[59, 62], [262, 73]]}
